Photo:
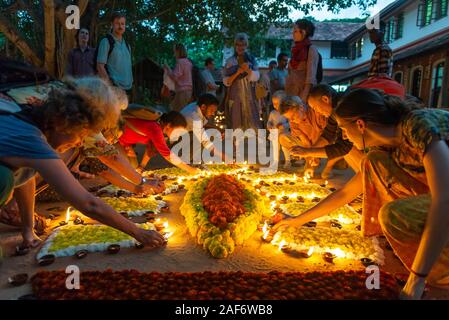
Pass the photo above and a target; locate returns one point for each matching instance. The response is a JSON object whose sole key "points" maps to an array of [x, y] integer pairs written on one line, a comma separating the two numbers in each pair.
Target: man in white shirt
{"points": [[211, 86], [200, 112]]}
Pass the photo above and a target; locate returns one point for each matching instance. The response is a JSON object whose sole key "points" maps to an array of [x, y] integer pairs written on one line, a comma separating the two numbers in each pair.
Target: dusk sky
{"points": [[353, 12]]}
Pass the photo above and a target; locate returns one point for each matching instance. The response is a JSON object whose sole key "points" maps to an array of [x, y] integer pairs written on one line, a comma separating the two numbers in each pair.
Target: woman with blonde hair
{"points": [[30, 143], [182, 76]]}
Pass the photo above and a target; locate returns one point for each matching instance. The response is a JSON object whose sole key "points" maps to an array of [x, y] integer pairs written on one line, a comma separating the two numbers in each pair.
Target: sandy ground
{"points": [[181, 254]]}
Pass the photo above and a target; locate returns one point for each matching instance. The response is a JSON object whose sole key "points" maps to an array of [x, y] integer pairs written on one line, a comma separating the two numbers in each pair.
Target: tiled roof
{"points": [[324, 31]]}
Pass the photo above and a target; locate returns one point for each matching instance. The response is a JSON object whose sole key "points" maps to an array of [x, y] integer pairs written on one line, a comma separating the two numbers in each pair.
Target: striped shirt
{"points": [[381, 61]]}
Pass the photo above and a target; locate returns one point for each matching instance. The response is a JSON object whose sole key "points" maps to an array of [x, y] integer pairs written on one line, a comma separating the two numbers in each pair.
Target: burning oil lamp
{"points": [[78, 221], [267, 233], [310, 224], [324, 185], [316, 199], [18, 279], [329, 257], [367, 262], [113, 248], [300, 199], [332, 189], [21, 251], [158, 198], [302, 254], [63, 223], [283, 246], [336, 224], [139, 245], [81, 254], [46, 260]]}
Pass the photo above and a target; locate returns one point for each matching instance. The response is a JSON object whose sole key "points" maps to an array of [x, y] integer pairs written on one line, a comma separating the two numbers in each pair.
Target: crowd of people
{"points": [[397, 149]]}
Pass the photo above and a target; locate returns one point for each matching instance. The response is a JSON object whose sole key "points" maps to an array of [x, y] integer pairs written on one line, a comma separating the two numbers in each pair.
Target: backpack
{"points": [[111, 41], [198, 83]]}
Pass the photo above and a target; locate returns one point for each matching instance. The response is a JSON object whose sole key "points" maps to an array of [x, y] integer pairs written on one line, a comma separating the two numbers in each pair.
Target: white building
{"points": [[417, 31]]}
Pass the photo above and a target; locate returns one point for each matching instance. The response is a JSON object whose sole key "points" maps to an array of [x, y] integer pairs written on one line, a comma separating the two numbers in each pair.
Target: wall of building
{"points": [[427, 62], [411, 33]]}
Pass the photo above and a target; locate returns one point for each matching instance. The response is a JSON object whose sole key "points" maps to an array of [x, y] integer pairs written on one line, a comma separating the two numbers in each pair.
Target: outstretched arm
{"points": [[58, 176]]}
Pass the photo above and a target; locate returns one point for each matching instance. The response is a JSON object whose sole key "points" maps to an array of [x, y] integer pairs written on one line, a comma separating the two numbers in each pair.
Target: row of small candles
{"points": [[328, 254], [160, 224]]}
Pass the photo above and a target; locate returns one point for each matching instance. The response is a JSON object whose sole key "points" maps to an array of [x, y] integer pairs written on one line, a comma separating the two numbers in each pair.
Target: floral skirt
{"points": [[397, 205]]}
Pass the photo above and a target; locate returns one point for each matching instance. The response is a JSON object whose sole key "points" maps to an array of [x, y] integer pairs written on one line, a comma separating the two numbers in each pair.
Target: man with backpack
{"points": [[114, 62]]}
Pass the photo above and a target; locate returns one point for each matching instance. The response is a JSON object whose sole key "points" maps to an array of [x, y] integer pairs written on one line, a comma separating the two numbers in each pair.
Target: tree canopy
{"points": [[153, 25]]}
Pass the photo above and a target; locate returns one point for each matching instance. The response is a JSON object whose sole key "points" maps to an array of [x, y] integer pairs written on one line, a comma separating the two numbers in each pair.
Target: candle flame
{"points": [[67, 214], [326, 182], [282, 244], [165, 225], [311, 250], [338, 253], [168, 235]]}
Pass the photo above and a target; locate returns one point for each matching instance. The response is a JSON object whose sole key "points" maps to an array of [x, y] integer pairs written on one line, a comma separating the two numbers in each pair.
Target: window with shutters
{"points": [[415, 89], [398, 77], [394, 28], [431, 10], [339, 50], [437, 84]]}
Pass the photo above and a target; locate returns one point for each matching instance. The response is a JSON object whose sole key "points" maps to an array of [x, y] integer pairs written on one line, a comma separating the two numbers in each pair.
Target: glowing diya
{"points": [[113, 248], [329, 257], [81, 254], [21, 251], [336, 224], [78, 221], [316, 199], [158, 198], [46, 260], [139, 245], [310, 224], [367, 262], [18, 279]]}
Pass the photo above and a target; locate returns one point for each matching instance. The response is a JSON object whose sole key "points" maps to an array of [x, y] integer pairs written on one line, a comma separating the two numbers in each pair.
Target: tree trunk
{"points": [[50, 37], [17, 40]]}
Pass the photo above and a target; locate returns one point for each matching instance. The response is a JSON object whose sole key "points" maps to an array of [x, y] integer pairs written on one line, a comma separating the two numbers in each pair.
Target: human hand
{"points": [[150, 187], [414, 288], [150, 238], [309, 172], [299, 152]]}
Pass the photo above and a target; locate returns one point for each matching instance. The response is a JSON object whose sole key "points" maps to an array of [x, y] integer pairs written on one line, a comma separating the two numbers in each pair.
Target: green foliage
{"points": [[154, 25]]}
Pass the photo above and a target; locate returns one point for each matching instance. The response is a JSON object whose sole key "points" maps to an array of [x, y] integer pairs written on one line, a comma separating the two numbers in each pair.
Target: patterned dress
{"points": [[396, 199], [242, 111]]}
